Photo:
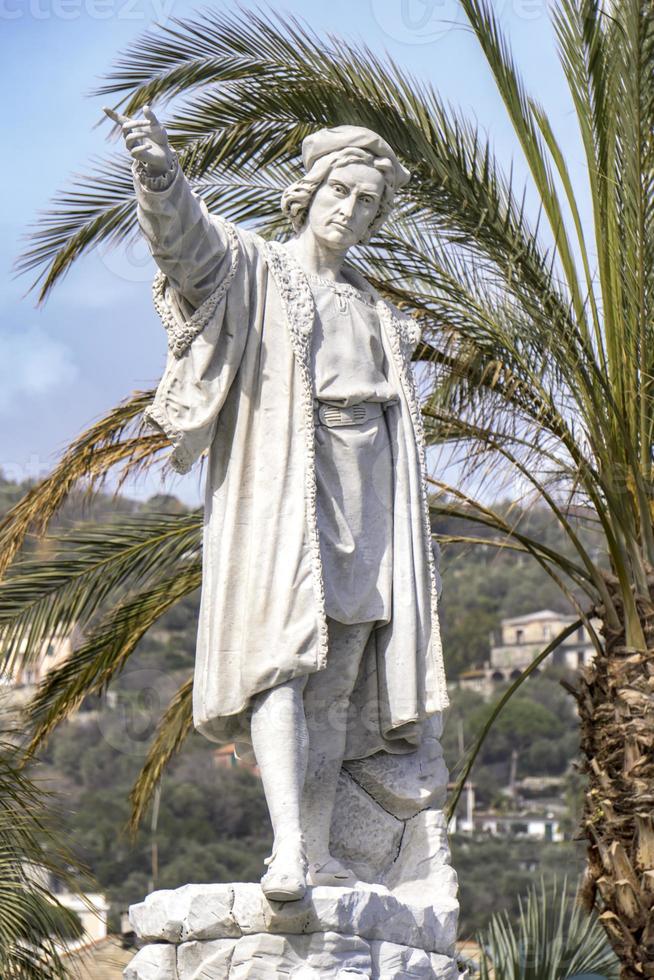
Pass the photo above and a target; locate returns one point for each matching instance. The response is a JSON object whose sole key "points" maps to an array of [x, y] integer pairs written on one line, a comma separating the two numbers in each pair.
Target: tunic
{"points": [[354, 468]]}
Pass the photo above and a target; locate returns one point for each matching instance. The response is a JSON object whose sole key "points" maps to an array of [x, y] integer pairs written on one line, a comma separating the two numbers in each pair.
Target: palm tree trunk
{"points": [[616, 707]]}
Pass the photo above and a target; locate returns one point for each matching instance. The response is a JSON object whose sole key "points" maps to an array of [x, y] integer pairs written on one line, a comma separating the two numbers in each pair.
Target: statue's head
{"points": [[351, 178]]}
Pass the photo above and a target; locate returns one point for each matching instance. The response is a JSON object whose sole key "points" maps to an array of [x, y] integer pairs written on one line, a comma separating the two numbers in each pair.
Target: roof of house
{"points": [[515, 817], [542, 614]]}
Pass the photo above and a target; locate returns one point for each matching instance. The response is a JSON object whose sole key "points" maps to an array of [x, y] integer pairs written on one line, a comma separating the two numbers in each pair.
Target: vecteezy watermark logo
{"points": [[159, 10], [32, 468], [416, 21]]}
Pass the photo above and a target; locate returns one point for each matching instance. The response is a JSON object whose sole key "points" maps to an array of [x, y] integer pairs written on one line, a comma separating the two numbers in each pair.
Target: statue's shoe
{"points": [[286, 877], [332, 872]]}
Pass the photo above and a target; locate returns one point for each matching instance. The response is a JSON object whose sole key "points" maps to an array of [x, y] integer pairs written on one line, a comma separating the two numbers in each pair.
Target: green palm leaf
{"points": [[106, 649], [553, 940], [33, 924], [115, 442], [86, 568], [172, 731]]}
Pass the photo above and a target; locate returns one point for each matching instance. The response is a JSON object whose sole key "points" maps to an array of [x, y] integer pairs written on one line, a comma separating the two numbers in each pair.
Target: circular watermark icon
{"points": [[427, 21], [131, 262], [133, 711], [417, 21]]}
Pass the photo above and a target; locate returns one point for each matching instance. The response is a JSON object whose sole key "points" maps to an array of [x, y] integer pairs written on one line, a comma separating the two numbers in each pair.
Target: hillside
{"points": [[213, 824]]}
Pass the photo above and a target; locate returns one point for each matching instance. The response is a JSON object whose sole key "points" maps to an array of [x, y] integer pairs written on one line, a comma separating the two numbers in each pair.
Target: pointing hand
{"points": [[146, 140]]}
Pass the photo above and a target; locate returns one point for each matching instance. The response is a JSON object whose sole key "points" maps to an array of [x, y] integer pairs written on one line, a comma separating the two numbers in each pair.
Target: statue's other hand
{"points": [[146, 140]]}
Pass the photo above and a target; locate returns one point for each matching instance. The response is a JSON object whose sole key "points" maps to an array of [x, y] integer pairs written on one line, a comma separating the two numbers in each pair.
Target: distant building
{"points": [[51, 654], [93, 911], [536, 825], [477, 679], [92, 908], [20, 679], [535, 816], [519, 640]]}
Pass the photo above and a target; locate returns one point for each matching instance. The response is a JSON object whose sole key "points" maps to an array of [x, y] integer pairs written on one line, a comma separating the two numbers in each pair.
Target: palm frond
{"points": [[172, 731], [33, 924], [87, 568], [105, 651], [453, 503], [99, 208], [510, 86], [117, 440], [553, 939], [243, 124]]}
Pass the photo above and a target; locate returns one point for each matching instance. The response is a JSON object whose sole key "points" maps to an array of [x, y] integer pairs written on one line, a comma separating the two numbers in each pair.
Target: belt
{"points": [[335, 415]]}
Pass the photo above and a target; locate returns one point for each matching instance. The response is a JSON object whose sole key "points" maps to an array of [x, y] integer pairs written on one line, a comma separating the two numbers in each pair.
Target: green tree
{"points": [[537, 341], [552, 940], [489, 883], [212, 825], [33, 924]]}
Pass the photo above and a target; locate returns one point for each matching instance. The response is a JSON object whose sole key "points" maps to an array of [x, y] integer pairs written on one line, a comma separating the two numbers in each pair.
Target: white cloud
{"points": [[32, 364]]}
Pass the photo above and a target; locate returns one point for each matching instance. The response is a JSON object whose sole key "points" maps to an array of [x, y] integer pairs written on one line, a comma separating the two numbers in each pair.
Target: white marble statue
{"points": [[318, 635]]}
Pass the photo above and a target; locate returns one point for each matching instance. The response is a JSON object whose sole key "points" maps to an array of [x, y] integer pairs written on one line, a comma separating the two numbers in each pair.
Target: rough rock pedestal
{"points": [[398, 922]]}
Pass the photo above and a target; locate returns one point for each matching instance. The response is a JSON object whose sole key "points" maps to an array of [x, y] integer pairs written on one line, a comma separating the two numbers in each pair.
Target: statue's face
{"points": [[346, 204]]}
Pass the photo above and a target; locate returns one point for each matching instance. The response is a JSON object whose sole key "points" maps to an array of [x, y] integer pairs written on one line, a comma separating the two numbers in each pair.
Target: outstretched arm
{"points": [[185, 243]]}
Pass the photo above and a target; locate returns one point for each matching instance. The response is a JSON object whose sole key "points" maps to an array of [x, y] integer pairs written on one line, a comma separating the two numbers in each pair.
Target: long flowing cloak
{"points": [[238, 386]]}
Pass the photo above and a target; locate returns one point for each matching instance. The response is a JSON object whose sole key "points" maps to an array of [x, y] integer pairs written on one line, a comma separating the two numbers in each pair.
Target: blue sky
{"points": [[97, 338]]}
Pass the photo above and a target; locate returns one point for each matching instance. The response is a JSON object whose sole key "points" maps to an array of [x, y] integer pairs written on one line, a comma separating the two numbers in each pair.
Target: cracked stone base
{"points": [[387, 827], [319, 956], [231, 932]]}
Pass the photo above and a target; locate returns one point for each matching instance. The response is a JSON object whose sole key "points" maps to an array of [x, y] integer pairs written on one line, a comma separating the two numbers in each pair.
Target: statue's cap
{"points": [[326, 141]]}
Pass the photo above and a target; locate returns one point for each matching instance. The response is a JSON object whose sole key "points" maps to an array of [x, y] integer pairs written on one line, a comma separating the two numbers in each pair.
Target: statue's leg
{"points": [[280, 743], [326, 700]]}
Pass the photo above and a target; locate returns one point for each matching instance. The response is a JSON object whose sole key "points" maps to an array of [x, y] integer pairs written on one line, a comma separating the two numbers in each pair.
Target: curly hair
{"points": [[297, 198]]}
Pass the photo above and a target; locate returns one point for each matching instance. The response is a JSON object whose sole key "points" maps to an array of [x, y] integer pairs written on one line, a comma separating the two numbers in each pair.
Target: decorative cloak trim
{"points": [[299, 308], [180, 459], [181, 336], [363, 294], [403, 342]]}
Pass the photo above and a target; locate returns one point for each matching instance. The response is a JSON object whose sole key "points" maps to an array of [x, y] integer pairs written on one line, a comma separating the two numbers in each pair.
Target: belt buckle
{"points": [[333, 415]]}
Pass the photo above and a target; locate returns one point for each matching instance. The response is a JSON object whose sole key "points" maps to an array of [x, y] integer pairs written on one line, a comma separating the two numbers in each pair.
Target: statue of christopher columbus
{"points": [[318, 636]]}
